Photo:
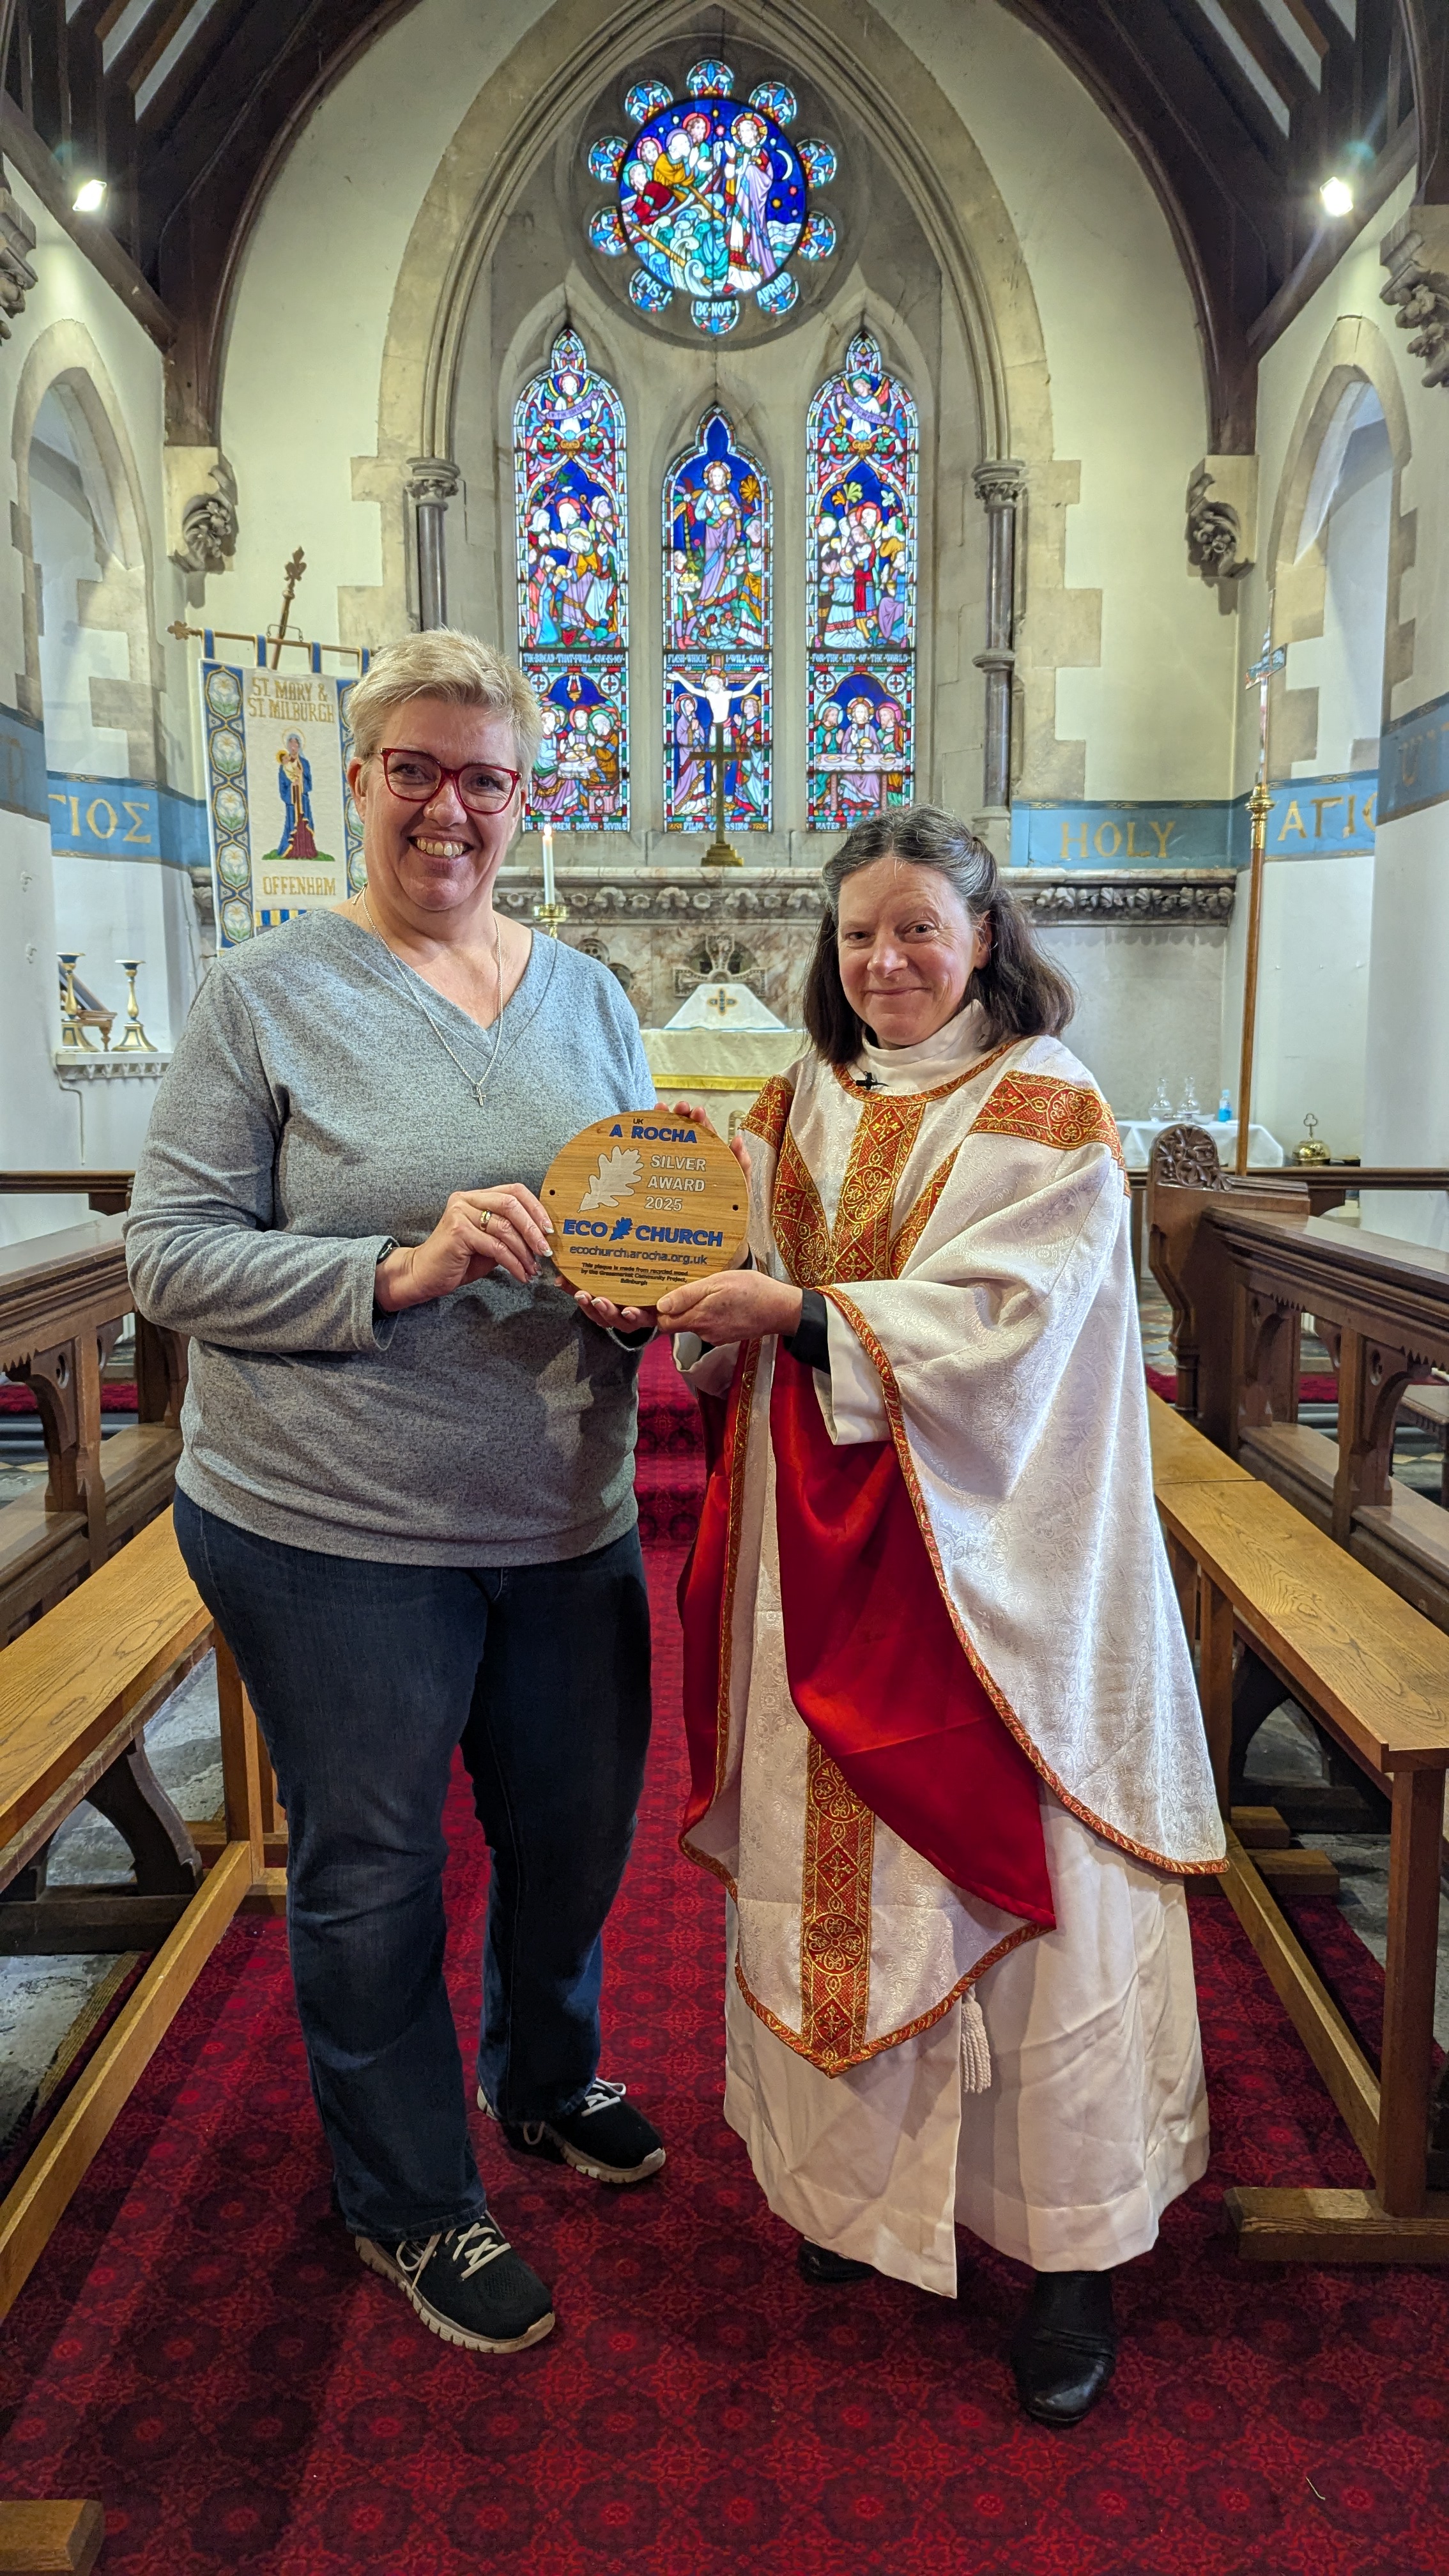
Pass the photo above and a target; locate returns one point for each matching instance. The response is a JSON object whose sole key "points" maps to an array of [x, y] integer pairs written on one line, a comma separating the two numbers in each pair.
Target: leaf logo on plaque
{"points": [[642, 1203]]}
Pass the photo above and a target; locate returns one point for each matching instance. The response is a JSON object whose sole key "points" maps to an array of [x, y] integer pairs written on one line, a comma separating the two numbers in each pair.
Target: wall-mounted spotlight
{"points": [[1337, 198], [89, 197]]}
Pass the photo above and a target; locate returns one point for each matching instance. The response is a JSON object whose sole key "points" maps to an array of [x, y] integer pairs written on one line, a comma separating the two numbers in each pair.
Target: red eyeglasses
{"points": [[415, 778]]}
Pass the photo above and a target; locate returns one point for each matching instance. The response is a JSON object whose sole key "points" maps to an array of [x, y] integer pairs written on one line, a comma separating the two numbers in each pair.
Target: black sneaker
{"points": [[603, 2137], [467, 2286]]}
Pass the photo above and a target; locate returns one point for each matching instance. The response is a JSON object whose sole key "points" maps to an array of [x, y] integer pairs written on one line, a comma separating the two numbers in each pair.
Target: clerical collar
{"points": [[918, 1068]]}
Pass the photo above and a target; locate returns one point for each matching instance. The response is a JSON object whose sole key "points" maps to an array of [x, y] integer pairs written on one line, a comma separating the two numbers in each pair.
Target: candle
{"points": [[548, 886]]}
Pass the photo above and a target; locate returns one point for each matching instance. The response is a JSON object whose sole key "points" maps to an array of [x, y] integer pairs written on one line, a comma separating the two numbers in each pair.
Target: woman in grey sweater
{"points": [[406, 1493]]}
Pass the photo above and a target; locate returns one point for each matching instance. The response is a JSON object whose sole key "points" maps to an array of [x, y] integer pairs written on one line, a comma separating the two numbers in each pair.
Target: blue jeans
{"points": [[364, 1677]]}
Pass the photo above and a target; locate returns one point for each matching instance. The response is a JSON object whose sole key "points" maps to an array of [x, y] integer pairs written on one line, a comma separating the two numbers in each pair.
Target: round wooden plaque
{"points": [[643, 1202]]}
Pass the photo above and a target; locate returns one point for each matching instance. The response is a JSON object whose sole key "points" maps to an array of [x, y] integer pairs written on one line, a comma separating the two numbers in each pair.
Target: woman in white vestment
{"points": [[947, 1754]]}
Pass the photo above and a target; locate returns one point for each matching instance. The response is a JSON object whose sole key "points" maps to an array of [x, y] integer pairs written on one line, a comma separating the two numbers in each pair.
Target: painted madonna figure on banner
{"points": [[947, 1756]]}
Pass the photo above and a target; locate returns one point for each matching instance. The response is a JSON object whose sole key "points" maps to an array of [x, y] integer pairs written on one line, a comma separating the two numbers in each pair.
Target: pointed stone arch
{"points": [[1355, 351], [851, 53], [64, 360]]}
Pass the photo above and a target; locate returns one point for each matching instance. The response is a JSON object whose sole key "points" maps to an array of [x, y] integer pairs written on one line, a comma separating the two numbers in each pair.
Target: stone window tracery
{"points": [[861, 443], [571, 503], [717, 630], [712, 196]]}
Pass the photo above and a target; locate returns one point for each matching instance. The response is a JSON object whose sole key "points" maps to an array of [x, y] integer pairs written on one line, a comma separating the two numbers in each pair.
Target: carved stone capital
{"points": [[998, 482], [432, 480], [1222, 517], [17, 241], [1416, 255]]}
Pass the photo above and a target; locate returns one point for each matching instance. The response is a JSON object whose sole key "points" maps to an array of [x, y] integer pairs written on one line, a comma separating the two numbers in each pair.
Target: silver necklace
{"points": [[478, 1087]]}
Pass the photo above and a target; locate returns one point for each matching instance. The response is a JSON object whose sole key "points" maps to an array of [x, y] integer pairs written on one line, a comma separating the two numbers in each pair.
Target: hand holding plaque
{"points": [[643, 1203]]}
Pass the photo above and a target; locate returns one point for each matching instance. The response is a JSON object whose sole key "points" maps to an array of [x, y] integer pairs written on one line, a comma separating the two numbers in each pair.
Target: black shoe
{"points": [[467, 2286], [603, 2137], [1065, 2349], [816, 2263]]}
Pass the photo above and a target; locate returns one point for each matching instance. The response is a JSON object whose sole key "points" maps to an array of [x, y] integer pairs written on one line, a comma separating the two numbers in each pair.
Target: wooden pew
{"points": [[75, 1690], [1241, 1268], [109, 1193], [1376, 1675], [63, 1299]]}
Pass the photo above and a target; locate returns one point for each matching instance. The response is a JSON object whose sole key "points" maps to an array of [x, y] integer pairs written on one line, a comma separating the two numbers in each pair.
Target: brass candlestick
{"points": [[549, 915], [721, 852], [73, 1032], [133, 1039]]}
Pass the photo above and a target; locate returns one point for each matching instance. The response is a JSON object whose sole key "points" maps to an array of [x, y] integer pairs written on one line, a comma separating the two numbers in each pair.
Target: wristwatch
{"points": [[392, 1245]]}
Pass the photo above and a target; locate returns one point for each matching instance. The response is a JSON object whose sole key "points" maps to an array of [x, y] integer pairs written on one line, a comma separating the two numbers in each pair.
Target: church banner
{"points": [[285, 834]]}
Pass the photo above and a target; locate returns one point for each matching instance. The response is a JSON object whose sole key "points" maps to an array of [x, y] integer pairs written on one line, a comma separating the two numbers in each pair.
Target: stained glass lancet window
{"points": [[860, 452], [573, 589], [716, 630]]}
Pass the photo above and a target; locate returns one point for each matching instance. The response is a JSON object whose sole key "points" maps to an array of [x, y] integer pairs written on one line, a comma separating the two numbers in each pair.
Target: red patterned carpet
{"points": [[201, 2348]]}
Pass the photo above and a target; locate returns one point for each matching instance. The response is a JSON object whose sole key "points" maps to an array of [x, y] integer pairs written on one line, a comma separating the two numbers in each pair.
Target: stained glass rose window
{"points": [[712, 196]]}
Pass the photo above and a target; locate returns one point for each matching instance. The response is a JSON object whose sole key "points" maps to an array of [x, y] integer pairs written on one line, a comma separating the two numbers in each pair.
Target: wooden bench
{"points": [[63, 1299], [1376, 1676], [76, 1689], [1241, 1264], [1430, 1403]]}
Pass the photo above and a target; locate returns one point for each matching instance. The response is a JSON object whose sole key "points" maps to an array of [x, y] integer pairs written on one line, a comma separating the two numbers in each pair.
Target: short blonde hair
{"points": [[459, 669]]}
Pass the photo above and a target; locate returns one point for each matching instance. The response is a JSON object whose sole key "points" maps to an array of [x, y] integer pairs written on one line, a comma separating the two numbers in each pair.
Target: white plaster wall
{"points": [[38, 1125], [1345, 664], [1313, 999], [304, 357], [1351, 291], [1149, 1006], [1394, 1009], [1407, 1118], [1128, 399]]}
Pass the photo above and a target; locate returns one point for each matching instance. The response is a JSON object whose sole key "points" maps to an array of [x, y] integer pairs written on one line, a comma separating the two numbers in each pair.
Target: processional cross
{"points": [[1272, 660]]}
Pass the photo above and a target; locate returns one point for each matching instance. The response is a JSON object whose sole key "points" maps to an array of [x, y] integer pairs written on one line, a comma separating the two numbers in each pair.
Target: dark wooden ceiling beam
{"points": [[1225, 75], [1426, 33], [243, 132], [1277, 62], [1303, 17], [1210, 173]]}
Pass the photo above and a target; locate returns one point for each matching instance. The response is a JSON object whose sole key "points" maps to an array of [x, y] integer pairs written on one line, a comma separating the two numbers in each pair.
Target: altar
{"points": [[718, 1049]]}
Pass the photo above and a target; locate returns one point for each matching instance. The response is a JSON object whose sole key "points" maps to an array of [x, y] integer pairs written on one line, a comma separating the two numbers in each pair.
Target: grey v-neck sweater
{"points": [[311, 1112]]}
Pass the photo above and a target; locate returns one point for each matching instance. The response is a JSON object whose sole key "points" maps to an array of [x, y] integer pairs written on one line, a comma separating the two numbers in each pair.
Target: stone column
{"points": [[432, 482], [998, 486]]}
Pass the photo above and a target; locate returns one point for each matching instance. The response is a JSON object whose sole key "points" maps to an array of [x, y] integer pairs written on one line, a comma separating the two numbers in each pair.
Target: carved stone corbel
{"points": [[1416, 255], [17, 241], [1222, 517], [202, 523]]}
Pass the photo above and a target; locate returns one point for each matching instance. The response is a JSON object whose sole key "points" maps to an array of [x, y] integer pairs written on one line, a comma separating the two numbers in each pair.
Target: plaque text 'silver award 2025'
{"points": [[642, 1203]]}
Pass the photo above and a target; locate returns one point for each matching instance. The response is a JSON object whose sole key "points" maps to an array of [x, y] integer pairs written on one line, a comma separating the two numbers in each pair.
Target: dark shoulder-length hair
{"points": [[1022, 992]]}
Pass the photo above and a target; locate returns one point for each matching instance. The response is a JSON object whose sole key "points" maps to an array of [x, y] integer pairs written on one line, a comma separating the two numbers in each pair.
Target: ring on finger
{"points": [[487, 1219]]}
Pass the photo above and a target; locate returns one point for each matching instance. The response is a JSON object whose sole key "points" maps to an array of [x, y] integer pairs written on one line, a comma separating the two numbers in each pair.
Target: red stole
{"points": [[875, 1666]]}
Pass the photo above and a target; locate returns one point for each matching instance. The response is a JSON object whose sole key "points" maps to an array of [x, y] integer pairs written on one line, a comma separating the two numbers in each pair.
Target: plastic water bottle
{"points": [[1225, 1111]]}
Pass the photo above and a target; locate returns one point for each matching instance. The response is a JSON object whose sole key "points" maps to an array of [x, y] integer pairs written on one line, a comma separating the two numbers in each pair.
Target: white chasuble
{"points": [[965, 1214]]}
